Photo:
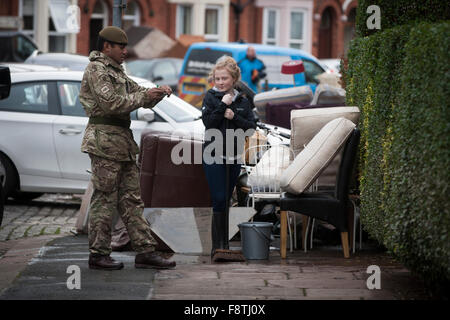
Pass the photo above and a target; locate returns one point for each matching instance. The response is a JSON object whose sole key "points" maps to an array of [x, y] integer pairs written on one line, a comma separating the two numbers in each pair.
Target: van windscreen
{"points": [[201, 61]]}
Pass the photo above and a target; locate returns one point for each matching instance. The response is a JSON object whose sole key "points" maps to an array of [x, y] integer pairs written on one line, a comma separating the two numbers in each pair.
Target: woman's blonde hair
{"points": [[228, 63]]}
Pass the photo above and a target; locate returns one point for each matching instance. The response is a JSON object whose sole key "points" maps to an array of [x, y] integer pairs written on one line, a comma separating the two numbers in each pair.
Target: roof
{"points": [[25, 67], [136, 34], [60, 56], [259, 48], [60, 60], [44, 74]]}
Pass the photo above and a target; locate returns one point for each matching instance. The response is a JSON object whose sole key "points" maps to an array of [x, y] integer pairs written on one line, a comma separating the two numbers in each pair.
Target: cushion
{"points": [[305, 124], [316, 156], [302, 94], [328, 95], [265, 175]]}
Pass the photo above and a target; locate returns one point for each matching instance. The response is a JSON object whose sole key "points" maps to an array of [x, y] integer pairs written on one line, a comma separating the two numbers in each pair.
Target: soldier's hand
{"points": [[159, 93], [167, 89]]}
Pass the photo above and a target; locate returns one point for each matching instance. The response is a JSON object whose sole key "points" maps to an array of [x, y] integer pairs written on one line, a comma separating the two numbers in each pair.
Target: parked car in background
{"points": [[201, 57], [5, 88], [24, 67], [161, 71], [60, 60], [16, 46], [42, 125]]}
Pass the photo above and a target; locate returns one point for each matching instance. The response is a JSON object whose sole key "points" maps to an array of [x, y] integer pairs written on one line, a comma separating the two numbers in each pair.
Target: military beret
{"points": [[114, 34]]}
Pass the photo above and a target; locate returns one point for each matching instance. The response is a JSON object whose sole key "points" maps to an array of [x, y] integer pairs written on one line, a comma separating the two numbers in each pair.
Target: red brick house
{"points": [[321, 27]]}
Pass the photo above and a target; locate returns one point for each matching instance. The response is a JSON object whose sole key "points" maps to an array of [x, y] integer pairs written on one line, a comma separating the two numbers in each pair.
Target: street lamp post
{"points": [[118, 7]]}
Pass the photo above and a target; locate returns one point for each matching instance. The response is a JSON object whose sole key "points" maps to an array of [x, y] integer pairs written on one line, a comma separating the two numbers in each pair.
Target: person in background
{"points": [[223, 109], [252, 69]]}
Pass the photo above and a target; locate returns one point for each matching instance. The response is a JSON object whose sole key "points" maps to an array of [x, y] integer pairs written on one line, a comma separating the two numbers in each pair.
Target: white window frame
{"points": [[302, 41], [28, 32], [103, 15], [136, 18], [180, 18], [214, 37], [266, 39]]}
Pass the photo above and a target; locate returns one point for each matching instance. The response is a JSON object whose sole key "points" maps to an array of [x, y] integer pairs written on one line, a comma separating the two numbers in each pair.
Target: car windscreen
{"points": [[201, 61], [139, 68]]}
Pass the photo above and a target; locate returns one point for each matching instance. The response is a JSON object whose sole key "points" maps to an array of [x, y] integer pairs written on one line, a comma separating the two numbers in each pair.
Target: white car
{"points": [[42, 124]]}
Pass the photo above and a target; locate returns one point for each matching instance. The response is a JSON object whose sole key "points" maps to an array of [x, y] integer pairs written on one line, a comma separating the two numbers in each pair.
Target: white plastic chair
{"points": [[269, 161]]}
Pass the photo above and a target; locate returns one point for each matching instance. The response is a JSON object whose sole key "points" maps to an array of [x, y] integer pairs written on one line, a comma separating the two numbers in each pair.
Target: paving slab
{"points": [[319, 274]]}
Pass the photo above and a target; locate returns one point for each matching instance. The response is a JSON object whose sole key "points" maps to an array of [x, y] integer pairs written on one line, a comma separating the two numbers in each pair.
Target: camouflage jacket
{"points": [[106, 91]]}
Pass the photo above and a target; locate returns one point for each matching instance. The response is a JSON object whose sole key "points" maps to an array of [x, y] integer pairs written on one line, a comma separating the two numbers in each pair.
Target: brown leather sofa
{"points": [[165, 184]]}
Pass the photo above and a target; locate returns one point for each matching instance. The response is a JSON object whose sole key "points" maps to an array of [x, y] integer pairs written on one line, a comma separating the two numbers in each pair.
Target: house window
{"points": [[184, 19], [26, 11], [297, 33], [270, 26], [57, 41], [132, 16], [212, 23], [61, 24], [99, 20]]}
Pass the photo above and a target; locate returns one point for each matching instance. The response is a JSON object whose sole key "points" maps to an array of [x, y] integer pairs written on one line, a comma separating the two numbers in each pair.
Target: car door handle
{"points": [[69, 131]]}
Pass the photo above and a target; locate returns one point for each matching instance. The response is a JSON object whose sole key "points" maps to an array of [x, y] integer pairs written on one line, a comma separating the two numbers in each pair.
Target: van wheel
{"points": [[8, 172]]}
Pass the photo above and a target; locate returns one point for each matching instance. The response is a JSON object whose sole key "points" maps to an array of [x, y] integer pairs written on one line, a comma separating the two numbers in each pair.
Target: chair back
{"points": [[346, 166], [269, 163]]}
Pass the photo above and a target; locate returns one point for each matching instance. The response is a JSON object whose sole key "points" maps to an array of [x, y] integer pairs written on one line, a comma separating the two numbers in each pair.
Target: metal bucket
{"points": [[255, 239]]}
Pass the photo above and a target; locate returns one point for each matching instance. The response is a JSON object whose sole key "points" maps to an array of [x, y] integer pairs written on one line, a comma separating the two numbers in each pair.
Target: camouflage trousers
{"points": [[117, 189]]}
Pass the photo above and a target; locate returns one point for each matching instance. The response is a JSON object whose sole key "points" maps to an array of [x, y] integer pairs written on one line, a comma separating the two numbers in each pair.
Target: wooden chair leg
{"points": [[344, 240], [283, 233], [350, 220]]}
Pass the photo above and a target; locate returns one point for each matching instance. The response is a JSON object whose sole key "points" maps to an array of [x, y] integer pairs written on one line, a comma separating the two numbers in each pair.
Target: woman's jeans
{"points": [[216, 176]]}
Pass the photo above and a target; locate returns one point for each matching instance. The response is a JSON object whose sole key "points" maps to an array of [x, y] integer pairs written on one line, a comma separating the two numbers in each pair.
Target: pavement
{"points": [[51, 264]]}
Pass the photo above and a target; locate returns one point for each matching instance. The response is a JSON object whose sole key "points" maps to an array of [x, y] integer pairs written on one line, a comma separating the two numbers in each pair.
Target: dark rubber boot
{"points": [[224, 222], [217, 231]]}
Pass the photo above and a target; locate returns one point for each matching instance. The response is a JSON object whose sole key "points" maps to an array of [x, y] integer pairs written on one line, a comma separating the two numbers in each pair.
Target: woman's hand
{"points": [[229, 114], [227, 99]]}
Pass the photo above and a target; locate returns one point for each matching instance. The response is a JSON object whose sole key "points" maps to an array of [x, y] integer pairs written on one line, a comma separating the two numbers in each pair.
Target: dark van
{"points": [[15, 46]]}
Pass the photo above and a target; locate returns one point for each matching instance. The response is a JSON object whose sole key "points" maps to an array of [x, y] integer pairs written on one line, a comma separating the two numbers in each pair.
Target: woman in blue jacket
{"points": [[224, 111]]}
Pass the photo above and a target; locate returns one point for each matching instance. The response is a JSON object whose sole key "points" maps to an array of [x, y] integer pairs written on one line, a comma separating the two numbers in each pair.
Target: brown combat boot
{"points": [[102, 262], [149, 260]]}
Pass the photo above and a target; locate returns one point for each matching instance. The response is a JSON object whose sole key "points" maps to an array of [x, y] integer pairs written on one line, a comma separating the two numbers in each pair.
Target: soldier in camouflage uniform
{"points": [[108, 96]]}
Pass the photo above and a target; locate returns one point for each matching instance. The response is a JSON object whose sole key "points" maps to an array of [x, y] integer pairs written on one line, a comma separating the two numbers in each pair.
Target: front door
{"points": [[326, 34]]}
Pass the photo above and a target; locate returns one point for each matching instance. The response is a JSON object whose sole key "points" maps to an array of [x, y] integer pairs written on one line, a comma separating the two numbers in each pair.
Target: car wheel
{"points": [[2, 203], [8, 171]]}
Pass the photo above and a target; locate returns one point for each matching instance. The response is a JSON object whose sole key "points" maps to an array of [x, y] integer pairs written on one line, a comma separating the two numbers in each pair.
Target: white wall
{"points": [[198, 18], [285, 7]]}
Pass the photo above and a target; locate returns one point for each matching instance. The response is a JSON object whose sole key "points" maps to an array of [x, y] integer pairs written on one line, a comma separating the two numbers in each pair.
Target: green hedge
{"points": [[399, 12], [400, 80]]}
